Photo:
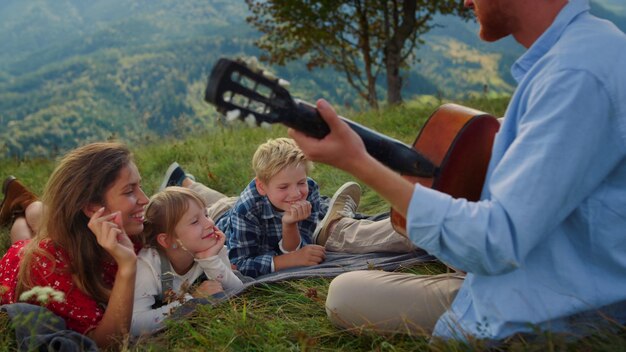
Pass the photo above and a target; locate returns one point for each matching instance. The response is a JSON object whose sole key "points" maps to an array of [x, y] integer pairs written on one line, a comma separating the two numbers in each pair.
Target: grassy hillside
{"points": [[285, 316], [73, 71]]}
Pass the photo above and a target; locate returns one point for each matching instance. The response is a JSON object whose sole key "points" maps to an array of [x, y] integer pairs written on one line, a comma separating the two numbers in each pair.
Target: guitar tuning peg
{"points": [[269, 75], [251, 120], [233, 115], [283, 83], [252, 62]]}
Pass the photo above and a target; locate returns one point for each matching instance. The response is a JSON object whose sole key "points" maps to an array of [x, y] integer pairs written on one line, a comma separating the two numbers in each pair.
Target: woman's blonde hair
{"points": [[81, 178], [274, 155], [165, 210]]}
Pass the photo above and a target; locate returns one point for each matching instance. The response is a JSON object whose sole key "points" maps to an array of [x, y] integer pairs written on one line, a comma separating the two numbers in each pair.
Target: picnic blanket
{"points": [[335, 263]]}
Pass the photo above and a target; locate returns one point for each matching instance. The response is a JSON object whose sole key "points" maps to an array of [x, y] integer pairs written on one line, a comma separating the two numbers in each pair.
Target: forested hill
{"points": [[73, 71]]}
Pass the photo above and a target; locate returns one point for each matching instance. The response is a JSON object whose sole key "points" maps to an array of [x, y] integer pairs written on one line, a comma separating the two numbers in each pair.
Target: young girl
{"points": [[93, 203], [184, 244]]}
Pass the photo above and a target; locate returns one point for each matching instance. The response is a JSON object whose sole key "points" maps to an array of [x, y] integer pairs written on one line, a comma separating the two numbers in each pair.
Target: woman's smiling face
{"points": [[126, 196]]}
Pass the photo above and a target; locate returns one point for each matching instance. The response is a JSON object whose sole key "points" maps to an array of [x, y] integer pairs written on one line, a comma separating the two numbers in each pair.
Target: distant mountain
{"points": [[73, 71]]}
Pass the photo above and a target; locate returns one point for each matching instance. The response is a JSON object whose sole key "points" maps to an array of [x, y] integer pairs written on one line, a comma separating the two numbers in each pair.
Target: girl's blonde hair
{"points": [[165, 210], [82, 177], [274, 155]]}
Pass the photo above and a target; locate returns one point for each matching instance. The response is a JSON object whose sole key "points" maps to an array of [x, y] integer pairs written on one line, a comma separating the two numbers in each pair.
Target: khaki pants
{"points": [[390, 302], [366, 236], [216, 202]]}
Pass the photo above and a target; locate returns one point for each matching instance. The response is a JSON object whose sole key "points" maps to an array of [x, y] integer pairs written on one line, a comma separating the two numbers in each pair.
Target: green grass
{"points": [[288, 316]]}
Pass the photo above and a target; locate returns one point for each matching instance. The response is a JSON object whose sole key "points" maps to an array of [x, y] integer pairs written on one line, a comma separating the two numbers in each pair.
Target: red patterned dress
{"points": [[79, 310]]}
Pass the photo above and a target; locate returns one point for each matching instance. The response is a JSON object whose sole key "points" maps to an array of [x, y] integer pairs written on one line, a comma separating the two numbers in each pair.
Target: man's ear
{"points": [[163, 240], [91, 208], [260, 186]]}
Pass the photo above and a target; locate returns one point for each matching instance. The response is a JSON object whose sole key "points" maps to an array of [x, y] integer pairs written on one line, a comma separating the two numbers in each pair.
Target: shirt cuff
{"points": [[280, 245], [425, 215]]}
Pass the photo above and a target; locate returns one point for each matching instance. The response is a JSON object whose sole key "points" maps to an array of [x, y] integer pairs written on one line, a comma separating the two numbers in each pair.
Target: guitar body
{"points": [[458, 141]]}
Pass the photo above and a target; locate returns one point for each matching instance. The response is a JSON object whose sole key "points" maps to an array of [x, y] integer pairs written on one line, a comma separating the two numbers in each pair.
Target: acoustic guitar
{"points": [[450, 154]]}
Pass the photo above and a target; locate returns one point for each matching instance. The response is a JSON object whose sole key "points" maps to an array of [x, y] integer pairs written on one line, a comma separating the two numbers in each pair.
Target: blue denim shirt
{"points": [[254, 229], [546, 245]]}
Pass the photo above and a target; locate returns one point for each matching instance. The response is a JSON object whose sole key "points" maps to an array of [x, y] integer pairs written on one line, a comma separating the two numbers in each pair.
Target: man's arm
{"points": [[344, 149]]}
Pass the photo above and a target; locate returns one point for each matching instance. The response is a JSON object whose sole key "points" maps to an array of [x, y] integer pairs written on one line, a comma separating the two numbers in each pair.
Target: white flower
{"points": [[43, 294]]}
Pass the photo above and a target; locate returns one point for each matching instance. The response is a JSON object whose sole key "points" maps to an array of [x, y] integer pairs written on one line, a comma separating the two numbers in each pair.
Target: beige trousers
{"points": [[216, 202], [390, 302], [366, 236]]}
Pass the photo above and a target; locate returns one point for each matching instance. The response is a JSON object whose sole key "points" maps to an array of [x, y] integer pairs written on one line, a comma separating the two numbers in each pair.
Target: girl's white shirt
{"points": [[148, 285]]}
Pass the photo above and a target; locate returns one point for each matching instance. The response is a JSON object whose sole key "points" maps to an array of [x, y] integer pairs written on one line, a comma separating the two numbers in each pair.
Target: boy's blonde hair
{"points": [[274, 155], [165, 210]]}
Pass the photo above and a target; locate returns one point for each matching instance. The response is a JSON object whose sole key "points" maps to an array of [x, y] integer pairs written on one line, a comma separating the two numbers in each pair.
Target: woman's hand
{"points": [[110, 234]]}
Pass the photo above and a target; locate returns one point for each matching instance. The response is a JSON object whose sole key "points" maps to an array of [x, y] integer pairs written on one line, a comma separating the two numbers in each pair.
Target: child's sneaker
{"points": [[343, 204], [174, 176]]}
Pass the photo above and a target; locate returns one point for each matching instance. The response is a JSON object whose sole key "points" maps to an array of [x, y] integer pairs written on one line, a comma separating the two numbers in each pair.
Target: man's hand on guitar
{"points": [[341, 148]]}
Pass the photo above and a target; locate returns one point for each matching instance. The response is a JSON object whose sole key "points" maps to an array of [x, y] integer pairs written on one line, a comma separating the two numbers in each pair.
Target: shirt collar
{"points": [[548, 38], [267, 210]]}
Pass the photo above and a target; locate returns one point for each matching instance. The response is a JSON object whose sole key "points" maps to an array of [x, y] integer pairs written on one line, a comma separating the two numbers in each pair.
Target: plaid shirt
{"points": [[254, 228]]}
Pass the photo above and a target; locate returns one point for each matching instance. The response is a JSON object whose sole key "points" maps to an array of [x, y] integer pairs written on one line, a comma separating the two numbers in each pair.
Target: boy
{"points": [[271, 226]]}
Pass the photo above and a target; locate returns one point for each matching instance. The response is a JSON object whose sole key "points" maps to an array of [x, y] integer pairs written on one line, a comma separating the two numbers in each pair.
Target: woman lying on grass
{"points": [[93, 205]]}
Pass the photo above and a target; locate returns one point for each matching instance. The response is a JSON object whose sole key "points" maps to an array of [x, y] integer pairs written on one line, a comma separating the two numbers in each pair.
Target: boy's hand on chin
{"points": [[297, 212]]}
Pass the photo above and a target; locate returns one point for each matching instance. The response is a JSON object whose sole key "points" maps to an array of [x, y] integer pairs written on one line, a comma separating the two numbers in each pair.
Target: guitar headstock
{"points": [[240, 89]]}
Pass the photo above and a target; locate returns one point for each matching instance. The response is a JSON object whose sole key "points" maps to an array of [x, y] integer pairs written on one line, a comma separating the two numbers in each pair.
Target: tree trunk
{"points": [[364, 43], [394, 80], [372, 99], [402, 23]]}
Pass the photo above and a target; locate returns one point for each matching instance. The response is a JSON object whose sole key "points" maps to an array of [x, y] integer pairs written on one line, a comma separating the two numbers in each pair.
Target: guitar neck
{"points": [[391, 152], [248, 94]]}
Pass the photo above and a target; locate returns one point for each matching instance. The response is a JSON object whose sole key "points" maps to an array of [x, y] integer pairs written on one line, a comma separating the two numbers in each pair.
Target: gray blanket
{"points": [[336, 263]]}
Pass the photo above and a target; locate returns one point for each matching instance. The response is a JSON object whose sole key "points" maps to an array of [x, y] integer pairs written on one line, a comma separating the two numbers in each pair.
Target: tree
{"points": [[358, 37]]}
